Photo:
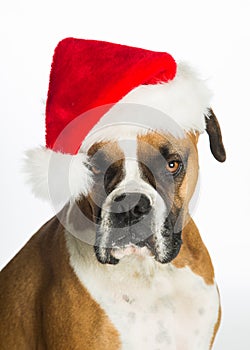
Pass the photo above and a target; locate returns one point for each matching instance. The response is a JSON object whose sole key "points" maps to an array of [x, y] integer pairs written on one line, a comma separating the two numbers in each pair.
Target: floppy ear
{"points": [[215, 137]]}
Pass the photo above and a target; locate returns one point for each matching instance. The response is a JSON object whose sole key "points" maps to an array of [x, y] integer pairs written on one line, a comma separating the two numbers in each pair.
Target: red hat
{"points": [[89, 79], [87, 74]]}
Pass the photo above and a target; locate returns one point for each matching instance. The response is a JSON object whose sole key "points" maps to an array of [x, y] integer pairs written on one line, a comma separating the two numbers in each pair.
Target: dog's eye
{"points": [[95, 170], [173, 166]]}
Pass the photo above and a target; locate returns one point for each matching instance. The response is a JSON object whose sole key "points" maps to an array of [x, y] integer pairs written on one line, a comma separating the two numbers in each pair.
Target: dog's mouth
{"points": [[131, 249], [144, 239], [133, 224]]}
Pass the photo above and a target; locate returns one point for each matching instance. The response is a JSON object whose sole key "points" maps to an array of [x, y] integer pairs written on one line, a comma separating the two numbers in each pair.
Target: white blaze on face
{"points": [[133, 182]]}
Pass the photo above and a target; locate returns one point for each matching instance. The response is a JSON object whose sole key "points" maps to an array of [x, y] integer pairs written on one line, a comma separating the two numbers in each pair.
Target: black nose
{"points": [[129, 208]]}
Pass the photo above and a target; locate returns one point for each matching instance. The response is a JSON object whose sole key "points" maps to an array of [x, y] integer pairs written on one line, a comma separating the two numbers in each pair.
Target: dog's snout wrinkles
{"points": [[130, 207]]}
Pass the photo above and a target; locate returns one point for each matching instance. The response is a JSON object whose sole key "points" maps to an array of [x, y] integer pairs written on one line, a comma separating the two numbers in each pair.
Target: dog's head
{"points": [[132, 182], [142, 183]]}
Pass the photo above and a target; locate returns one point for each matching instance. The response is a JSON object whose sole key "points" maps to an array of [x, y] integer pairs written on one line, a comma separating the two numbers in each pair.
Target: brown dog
{"points": [[122, 265], [55, 294]]}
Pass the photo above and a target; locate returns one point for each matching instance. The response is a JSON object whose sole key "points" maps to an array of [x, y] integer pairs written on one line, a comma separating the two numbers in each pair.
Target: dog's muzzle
{"points": [[128, 225]]}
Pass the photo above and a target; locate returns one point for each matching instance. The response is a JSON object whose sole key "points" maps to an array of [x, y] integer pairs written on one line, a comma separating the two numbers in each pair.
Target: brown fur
{"points": [[44, 306], [194, 254], [184, 188], [216, 327]]}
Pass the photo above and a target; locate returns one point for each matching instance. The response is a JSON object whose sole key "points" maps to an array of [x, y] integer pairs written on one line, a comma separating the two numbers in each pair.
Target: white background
{"points": [[214, 36]]}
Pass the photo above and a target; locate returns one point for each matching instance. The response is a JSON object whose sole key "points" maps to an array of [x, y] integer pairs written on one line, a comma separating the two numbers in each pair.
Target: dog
{"points": [[122, 266]]}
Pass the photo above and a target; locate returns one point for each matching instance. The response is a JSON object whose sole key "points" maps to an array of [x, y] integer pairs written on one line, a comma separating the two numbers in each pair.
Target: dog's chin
{"points": [[131, 250], [113, 255]]}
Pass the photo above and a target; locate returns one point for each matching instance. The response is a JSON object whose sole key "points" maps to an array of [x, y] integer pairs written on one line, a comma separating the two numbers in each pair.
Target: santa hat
{"points": [[89, 82]]}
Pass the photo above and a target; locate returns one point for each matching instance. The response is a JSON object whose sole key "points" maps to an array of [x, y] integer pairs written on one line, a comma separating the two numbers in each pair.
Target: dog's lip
{"points": [[130, 249]]}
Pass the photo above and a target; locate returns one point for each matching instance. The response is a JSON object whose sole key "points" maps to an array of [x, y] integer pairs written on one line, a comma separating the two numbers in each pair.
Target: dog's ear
{"points": [[215, 137]]}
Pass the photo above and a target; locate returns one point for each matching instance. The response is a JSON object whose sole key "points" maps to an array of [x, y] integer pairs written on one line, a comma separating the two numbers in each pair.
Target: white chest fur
{"points": [[153, 306]]}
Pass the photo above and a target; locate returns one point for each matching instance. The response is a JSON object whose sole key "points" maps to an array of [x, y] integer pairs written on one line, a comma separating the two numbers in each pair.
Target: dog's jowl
{"points": [[121, 265]]}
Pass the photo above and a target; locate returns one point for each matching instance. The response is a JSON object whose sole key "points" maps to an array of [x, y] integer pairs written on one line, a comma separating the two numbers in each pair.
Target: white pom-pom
{"points": [[56, 176]]}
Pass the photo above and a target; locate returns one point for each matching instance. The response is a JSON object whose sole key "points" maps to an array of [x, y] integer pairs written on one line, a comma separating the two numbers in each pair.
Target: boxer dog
{"points": [[122, 266]]}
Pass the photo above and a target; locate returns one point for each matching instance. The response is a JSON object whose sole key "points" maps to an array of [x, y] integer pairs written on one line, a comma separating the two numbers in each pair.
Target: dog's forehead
{"points": [[159, 141], [142, 145], [108, 148]]}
